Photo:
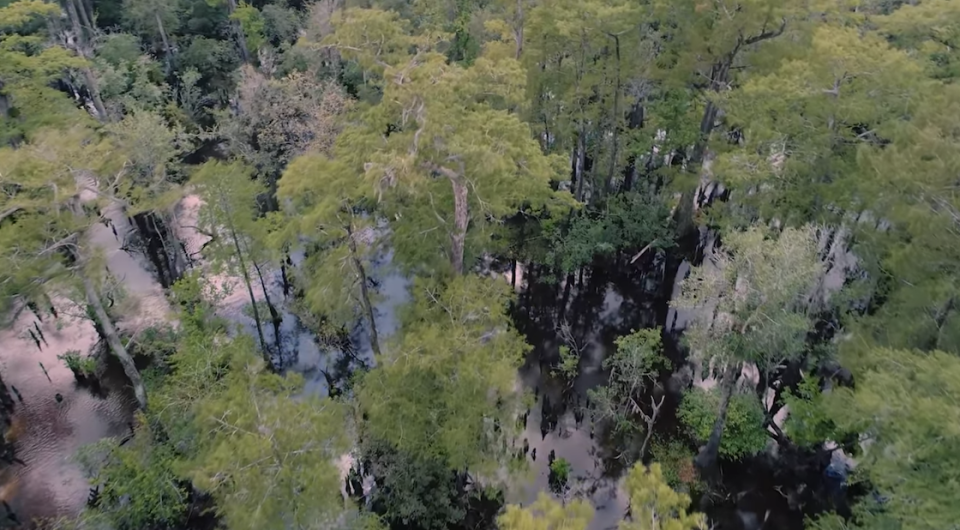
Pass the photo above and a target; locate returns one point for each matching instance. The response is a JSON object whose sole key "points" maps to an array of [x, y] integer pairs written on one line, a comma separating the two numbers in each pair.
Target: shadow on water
{"points": [[585, 312]]}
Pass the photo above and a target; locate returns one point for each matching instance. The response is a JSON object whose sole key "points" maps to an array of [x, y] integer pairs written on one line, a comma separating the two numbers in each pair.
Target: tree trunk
{"points": [[247, 282], [634, 121], [275, 316], [85, 18], [364, 290], [518, 29], [113, 340], [461, 219], [284, 275], [608, 187], [579, 159], [81, 49], [166, 42], [708, 454], [238, 32]]}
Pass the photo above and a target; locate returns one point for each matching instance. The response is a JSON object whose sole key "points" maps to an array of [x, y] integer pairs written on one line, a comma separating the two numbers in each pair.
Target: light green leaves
{"points": [[905, 404], [448, 388]]}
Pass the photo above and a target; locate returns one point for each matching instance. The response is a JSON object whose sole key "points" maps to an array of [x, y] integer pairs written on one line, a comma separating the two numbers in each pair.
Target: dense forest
{"points": [[709, 240]]}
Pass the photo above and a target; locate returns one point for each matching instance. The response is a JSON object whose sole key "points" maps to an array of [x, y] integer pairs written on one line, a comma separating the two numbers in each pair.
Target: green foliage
{"points": [[230, 211], [27, 67], [547, 514], [809, 422], [755, 298], [242, 436], [153, 150], [118, 49], [743, 433], [252, 24], [560, 470], [215, 60], [456, 160], [260, 443], [413, 490], [676, 463], [905, 406], [325, 208], [151, 18], [654, 505], [280, 24], [447, 389], [78, 364], [633, 368], [137, 485], [629, 221], [569, 364]]}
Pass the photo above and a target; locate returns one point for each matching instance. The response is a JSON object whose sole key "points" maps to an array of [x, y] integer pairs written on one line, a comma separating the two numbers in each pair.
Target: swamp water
{"points": [[590, 311]]}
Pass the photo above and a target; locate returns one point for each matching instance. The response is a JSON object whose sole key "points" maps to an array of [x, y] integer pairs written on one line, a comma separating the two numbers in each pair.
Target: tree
{"points": [[905, 408], [136, 484], [27, 67], [413, 491], [148, 189], [653, 506], [153, 18], [454, 148], [266, 457], [327, 208], [280, 119], [45, 222], [633, 370], [447, 388], [753, 303], [744, 434], [230, 213], [547, 514]]}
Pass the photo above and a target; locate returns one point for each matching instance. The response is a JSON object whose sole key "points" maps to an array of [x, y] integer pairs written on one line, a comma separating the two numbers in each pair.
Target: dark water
{"points": [[586, 312], [599, 307]]}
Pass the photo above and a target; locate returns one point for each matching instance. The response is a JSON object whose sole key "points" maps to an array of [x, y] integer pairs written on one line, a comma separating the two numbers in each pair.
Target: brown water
{"points": [[46, 434]]}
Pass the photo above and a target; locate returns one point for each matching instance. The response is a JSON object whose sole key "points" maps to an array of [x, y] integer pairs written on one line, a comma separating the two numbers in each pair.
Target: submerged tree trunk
{"points": [[283, 272], [708, 453], [364, 291], [113, 340]]}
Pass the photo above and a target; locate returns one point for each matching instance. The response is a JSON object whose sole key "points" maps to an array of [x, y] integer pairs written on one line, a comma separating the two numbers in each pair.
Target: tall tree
{"points": [[752, 301], [50, 184], [326, 203], [447, 389], [905, 408], [28, 66], [230, 212], [454, 148], [154, 19]]}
